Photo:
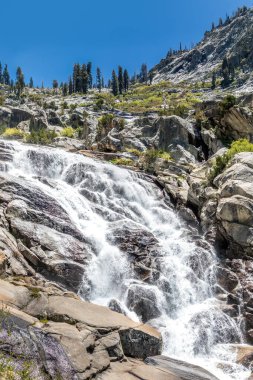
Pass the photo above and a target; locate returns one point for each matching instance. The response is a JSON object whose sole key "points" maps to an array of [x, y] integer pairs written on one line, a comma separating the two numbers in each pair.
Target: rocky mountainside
{"points": [[232, 40]]}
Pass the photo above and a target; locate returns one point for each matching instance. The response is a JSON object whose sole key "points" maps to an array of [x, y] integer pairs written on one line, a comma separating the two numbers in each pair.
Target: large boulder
{"points": [[235, 207], [61, 335]]}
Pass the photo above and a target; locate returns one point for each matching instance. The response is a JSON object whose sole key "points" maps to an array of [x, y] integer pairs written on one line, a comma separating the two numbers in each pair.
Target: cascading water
{"points": [[144, 260]]}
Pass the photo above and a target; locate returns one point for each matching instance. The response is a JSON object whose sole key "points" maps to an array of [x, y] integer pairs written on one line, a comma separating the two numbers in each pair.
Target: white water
{"points": [[100, 197]]}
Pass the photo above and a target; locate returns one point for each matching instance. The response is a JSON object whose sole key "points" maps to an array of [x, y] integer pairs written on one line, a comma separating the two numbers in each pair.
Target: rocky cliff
{"points": [[232, 39]]}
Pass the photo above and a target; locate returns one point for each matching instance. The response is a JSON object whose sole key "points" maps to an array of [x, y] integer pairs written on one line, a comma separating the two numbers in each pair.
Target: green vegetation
{"points": [[2, 100], [228, 102], [122, 161], [43, 137], [135, 152], [221, 162], [152, 154], [68, 132], [13, 133], [142, 98]]}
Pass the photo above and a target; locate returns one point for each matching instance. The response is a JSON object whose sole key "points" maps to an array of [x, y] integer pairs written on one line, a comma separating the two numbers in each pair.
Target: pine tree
{"points": [[120, 79], [6, 76], [126, 80], [84, 79], [55, 84], [213, 26], [103, 82], [220, 21], [31, 83], [99, 79], [213, 81], [20, 81], [225, 73], [70, 86], [74, 77], [89, 71], [144, 73], [151, 77], [1, 74], [65, 89], [115, 84]]}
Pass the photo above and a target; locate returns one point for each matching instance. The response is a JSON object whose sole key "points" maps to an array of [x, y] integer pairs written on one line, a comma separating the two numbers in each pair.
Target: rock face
{"points": [[231, 40], [235, 207], [62, 336]]}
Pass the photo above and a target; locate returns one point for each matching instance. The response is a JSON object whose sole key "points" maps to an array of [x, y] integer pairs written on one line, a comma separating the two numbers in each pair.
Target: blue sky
{"points": [[45, 37]]}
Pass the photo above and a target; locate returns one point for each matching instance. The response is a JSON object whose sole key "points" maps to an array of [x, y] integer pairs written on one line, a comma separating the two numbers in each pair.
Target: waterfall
{"points": [[145, 262]]}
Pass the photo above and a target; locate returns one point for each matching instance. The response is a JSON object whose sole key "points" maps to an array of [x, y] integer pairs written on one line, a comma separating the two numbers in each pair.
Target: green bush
{"points": [[221, 162], [152, 154], [123, 161], [43, 137], [2, 100], [99, 104], [13, 132], [228, 102], [135, 152], [67, 132]]}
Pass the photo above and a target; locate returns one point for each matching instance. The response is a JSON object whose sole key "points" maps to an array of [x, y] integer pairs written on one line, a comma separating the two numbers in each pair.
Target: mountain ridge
{"points": [[232, 40]]}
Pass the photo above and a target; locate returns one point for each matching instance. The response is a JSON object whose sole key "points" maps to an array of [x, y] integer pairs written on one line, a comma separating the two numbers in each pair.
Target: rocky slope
{"points": [[233, 40]]}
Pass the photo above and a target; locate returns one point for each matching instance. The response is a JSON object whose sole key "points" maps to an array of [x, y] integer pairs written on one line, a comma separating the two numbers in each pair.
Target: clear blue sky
{"points": [[45, 37]]}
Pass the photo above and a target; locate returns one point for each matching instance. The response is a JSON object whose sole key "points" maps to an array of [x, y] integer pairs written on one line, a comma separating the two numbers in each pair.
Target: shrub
{"points": [[228, 102], [2, 100], [152, 154], [13, 132], [68, 132], [64, 105], [123, 161], [135, 152], [99, 104], [43, 136], [221, 162]]}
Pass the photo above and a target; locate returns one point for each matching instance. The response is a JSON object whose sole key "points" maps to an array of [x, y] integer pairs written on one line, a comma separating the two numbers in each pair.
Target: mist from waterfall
{"points": [[109, 204]]}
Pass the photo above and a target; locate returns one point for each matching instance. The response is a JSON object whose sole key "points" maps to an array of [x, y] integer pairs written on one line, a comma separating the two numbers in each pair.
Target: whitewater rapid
{"points": [[100, 198]]}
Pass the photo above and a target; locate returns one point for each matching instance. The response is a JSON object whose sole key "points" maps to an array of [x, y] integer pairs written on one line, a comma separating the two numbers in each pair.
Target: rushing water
{"points": [[101, 199]]}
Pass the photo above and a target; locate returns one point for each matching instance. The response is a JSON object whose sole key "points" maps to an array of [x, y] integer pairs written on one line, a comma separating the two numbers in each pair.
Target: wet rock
{"points": [[114, 305], [143, 301], [226, 279], [139, 343], [180, 368]]}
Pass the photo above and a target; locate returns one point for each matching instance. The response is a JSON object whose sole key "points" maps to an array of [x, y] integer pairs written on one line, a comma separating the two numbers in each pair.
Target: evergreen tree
{"points": [[99, 79], [65, 89], [220, 21], [126, 80], [6, 76], [31, 83], [213, 26], [42, 85], [70, 86], [89, 71], [144, 73], [20, 81], [74, 77], [213, 81], [120, 79], [78, 84], [115, 84], [225, 73], [1, 74], [84, 79], [12, 85], [151, 77], [103, 82], [55, 84]]}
